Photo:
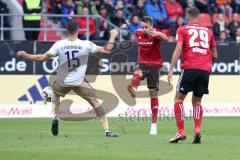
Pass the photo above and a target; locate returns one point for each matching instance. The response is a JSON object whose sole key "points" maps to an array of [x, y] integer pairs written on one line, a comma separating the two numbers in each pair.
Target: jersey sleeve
{"points": [[91, 47], [53, 51], [179, 35]]}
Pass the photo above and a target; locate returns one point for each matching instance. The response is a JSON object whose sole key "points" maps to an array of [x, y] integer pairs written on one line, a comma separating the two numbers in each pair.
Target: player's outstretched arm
{"points": [[110, 44], [30, 57], [214, 53], [176, 54]]}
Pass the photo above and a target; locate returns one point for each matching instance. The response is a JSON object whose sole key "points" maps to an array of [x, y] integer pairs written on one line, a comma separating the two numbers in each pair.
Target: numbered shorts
{"points": [[84, 90], [151, 73], [193, 80]]}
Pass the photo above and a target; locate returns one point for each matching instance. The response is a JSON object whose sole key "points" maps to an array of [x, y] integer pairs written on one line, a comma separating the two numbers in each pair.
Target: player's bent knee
{"points": [[100, 112], [179, 98], [153, 93], [196, 100]]}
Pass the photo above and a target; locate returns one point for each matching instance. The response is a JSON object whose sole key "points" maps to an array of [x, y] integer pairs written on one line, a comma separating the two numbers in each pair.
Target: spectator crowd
{"points": [[222, 16]]}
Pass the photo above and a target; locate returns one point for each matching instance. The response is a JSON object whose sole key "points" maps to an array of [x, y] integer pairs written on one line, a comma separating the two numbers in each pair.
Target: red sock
{"points": [[154, 108], [179, 116], [197, 115], [135, 81]]}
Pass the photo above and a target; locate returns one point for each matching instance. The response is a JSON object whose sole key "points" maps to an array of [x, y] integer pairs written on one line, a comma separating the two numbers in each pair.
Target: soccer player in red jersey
{"points": [[197, 48], [149, 63]]}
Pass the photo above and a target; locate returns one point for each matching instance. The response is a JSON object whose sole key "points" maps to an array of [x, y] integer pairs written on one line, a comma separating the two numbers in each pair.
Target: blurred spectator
{"points": [[233, 25], [109, 6], [32, 7], [68, 8], [237, 35], [202, 5], [174, 27], [219, 26], [54, 6], [98, 5], [83, 25], [119, 21], [127, 3], [173, 9], [190, 3], [103, 26], [4, 9], [212, 6], [224, 7], [183, 3], [119, 5], [135, 24], [86, 3], [139, 9], [223, 37], [156, 10], [236, 6]]}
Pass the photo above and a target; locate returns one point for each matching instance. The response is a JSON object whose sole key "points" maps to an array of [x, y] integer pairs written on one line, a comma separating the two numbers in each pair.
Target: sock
{"points": [[106, 130], [154, 108], [179, 116], [135, 81], [55, 117], [197, 115], [104, 122]]}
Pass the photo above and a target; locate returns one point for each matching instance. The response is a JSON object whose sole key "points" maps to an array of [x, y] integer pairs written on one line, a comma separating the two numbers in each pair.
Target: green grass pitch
{"points": [[30, 139]]}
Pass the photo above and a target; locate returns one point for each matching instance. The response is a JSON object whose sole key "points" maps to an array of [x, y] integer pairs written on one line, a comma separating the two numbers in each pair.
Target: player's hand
{"points": [[114, 33], [170, 73], [153, 33], [22, 54]]}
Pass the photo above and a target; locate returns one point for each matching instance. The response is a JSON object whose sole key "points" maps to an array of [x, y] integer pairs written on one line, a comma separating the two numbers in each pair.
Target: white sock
{"points": [[55, 117], [106, 130]]}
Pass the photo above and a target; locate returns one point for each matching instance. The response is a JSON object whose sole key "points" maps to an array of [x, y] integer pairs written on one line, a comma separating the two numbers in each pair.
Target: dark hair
{"points": [[72, 26], [193, 12], [147, 19]]}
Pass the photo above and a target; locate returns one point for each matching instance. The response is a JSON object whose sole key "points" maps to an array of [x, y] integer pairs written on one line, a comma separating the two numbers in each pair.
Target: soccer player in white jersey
{"points": [[73, 56]]}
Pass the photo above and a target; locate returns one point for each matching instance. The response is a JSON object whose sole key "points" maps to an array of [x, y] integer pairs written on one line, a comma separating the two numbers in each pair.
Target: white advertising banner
{"points": [[165, 110]]}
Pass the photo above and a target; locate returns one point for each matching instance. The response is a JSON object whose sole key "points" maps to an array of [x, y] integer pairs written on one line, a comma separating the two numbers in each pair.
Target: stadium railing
{"points": [[45, 18]]}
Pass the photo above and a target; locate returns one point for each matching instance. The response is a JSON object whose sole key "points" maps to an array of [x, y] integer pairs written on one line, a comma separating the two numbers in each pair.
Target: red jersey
{"points": [[149, 49], [197, 44]]}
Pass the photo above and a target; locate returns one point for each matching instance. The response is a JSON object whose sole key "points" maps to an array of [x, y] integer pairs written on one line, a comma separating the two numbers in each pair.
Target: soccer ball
{"points": [[47, 94]]}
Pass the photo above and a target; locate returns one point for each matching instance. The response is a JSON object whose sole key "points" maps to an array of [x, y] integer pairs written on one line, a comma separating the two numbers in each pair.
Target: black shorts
{"points": [[195, 80], [151, 73]]}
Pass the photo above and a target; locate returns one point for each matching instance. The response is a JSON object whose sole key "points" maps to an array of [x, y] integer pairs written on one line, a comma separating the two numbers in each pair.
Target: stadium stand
{"points": [[161, 10]]}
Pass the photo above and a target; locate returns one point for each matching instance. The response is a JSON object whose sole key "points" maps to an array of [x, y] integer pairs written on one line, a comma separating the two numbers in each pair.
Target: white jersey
{"points": [[73, 59]]}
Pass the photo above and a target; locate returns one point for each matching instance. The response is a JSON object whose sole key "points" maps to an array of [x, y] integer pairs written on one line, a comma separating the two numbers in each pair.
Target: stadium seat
{"points": [[205, 20], [51, 35]]}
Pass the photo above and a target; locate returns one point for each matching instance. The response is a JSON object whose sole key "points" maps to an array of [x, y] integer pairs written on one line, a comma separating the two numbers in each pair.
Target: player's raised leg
{"points": [[135, 82], [179, 116], [154, 108], [197, 115]]}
